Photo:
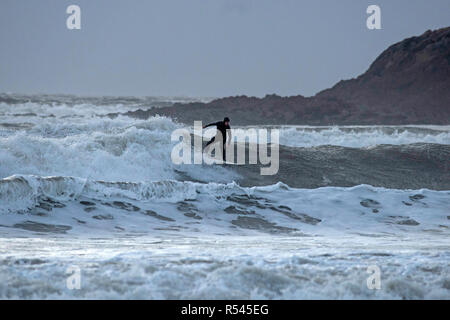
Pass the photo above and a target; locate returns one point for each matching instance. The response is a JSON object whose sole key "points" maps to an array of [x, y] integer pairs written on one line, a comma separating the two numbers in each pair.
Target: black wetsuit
{"points": [[223, 130]]}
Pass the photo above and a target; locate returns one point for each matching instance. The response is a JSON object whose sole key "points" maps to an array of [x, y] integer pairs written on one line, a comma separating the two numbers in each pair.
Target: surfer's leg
{"points": [[223, 151], [207, 147], [210, 141]]}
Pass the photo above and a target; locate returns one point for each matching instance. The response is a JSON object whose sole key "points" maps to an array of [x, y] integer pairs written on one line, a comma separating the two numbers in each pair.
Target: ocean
{"points": [[82, 189]]}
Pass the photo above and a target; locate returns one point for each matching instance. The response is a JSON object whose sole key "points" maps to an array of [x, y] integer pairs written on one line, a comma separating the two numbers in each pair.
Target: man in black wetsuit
{"points": [[222, 127]]}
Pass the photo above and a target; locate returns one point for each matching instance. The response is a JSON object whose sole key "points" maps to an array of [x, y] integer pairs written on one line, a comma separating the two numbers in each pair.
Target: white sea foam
{"points": [[181, 240], [257, 268], [360, 136], [81, 189], [274, 209], [122, 149]]}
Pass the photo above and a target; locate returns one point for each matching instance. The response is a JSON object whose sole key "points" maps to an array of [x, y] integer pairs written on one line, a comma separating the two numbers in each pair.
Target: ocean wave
{"points": [[63, 106], [223, 208], [20, 193], [365, 136], [118, 149], [263, 269], [78, 188]]}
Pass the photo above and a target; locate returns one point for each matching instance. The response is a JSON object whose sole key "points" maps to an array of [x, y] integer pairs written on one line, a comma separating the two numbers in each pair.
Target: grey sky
{"points": [[199, 47]]}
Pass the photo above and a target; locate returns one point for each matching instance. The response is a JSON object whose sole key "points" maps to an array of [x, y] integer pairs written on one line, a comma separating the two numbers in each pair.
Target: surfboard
{"points": [[205, 156]]}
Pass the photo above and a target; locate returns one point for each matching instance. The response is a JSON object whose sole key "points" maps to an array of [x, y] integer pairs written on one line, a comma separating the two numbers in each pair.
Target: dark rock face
{"points": [[409, 83]]}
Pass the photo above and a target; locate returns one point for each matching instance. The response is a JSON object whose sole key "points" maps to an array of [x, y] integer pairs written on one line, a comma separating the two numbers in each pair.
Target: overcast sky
{"points": [[204, 48]]}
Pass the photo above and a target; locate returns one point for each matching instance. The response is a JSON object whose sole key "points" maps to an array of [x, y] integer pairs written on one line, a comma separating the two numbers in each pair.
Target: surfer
{"points": [[223, 128]]}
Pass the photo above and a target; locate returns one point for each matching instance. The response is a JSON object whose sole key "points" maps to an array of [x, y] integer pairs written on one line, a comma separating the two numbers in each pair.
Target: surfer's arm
{"points": [[211, 124]]}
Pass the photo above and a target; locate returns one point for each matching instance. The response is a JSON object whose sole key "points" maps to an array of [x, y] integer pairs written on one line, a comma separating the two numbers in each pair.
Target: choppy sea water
{"points": [[78, 188]]}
